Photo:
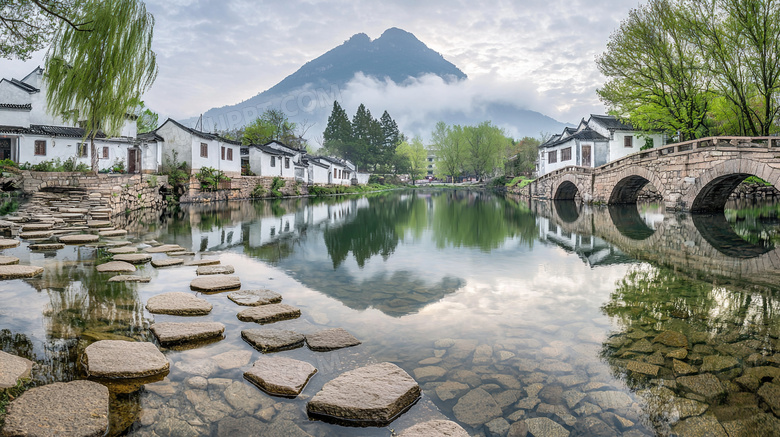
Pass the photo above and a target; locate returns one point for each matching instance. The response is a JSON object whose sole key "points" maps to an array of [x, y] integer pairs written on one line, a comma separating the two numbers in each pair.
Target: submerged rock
{"points": [[13, 368], [280, 376], [542, 426], [330, 339], [770, 393], [435, 428], [700, 426], [718, 363], [476, 408], [124, 359], [705, 384]]}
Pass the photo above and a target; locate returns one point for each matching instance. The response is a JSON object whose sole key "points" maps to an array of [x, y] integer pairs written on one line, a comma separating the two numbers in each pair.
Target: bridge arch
{"points": [[712, 189], [630, 182], [567, 187]]}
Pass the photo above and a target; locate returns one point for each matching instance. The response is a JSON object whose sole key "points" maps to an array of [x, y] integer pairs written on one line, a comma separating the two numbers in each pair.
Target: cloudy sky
{"points": [[538, 53]]}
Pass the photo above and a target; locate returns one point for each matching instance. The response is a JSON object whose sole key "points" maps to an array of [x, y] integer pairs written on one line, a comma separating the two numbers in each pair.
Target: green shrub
{"points": [[119, 166], [258, 191], [276, 185], [178, 173], [210, 178]]}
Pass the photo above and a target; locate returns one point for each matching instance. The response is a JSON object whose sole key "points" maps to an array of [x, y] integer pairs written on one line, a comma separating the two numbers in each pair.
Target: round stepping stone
{"points": [[255, 297], [178, 303], [215, 270], [7, 243], [99, 223], [215, 283], [13, 368], [123, 249], [280, 376], [37, 227], [133, 258], [373, 395], [114, 233], [18, 272], [330, 339], [272, 340], [116, 266], [181, 253], [164, 248], [76, 408], [435, 428], [167, 262], [203, 262], [175, 332], [129, 278], [35, 235], [116, 359], [8, 260], [79, 239], [46, 246], [269, 313]]}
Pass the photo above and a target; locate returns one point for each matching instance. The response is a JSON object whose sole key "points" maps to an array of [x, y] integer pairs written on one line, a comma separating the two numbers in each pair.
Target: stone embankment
{"points": [[243, 187]]}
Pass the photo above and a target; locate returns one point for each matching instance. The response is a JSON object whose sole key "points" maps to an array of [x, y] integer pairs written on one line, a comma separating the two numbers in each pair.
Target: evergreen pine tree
{"points": [[363, 134], [338, 132], [391, 136]]}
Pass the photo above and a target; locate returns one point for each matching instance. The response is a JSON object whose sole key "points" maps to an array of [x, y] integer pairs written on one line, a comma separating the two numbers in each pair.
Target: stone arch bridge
{"points": [[694, 176]]}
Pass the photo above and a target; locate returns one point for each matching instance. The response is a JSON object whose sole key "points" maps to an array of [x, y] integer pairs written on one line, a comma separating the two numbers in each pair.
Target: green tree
{"points": [[486, 148], [364, 133], [656, 76], [272, 125], [449, 146], [96, 76], [415, 156], [525, 155], [338, 132], [146, 120], [29, 25], [391, 136]]}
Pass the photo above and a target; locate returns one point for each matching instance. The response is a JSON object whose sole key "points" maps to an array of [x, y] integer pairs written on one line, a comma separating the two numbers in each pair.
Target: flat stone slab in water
{"points": [[330, 339], [129, 278], [76, 408], [12, 368], [215, 283], [176, 332], [114, 233], [255, 297], [203, 262], [35, 234], [7, 243], [167, 262], [435, 428], [272, 340], [269, 313], [124, 249], [116, 266], [17, 271], [371, 395], [8, 260], [178, 303], [164, 248], [133, 258], [181, 253], [124, 359], [280, 376], [98, 223], [79, 239], [46, 246], [215, 270], [37, 227]]}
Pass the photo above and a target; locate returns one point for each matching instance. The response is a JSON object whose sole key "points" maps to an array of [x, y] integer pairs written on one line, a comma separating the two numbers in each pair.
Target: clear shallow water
{"points": [[532, 310]]}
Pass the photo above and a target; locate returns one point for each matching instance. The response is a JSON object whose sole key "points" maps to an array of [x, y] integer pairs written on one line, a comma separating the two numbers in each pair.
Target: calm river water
{"points": [[608, 321]]}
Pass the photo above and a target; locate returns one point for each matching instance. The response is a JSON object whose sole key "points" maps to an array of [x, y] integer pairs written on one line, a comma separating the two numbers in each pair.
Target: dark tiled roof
{"points": [[61, 131], [27, 106], [611, 122], [272, 151], [150, 136], [24, 86], [18, 130], [204, 135], [585, 134]]}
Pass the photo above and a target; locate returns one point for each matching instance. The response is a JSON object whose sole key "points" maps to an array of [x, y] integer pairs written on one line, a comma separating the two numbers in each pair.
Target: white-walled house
{"points": [[199, 149], [269, 161], [30, 134], [595, 142], [339, 172]]}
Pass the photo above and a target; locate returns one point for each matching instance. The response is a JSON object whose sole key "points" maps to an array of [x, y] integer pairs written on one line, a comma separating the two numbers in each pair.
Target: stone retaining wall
{"points": [[240, 188]]}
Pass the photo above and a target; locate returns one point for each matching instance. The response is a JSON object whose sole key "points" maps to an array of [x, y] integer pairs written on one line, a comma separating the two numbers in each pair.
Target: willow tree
{"points": [[96, 74]]}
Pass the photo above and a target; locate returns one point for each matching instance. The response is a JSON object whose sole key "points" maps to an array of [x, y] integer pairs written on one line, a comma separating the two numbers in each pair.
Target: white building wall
{"points": [[618, 150], [549, 167], [175, 140], [14, 117], [66, 148], [10, 93]]}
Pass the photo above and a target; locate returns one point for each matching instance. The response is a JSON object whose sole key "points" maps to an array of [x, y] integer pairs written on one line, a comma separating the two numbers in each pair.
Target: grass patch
{"points": [[317, 191], [756, 180], [519, 182]]}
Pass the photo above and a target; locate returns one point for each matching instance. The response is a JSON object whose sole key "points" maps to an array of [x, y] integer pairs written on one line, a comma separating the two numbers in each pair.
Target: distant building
{"points": [[199, 149], [430, 162], [595, 142]]}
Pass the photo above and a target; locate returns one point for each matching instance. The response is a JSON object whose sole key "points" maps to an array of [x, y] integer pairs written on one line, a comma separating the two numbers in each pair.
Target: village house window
{"points": [[628, 141], [223, 153], [566, 154], [273, 161], [40, 147], [83, 150], [552, 156], [204, 150], [286, 162], [230, 154], [105, 152]]}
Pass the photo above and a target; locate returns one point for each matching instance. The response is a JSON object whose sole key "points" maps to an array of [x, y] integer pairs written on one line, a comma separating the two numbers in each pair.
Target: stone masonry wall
{"points": [[240, 188]]}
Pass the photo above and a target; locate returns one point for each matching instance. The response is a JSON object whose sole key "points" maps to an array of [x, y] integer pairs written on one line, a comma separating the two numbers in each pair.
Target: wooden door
{"points": [[586, 160], [132, 160]]}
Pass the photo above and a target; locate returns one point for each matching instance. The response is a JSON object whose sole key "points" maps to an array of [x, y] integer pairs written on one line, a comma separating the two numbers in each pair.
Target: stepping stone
{"points": [[164, 248], [124, 359], [8, 260], [46, 246], [76, 408], [116, 266], [203, 262], [181, 253], [330, 339], [6, 243], [18, 272], [269, 313], [129, 278], [37, 227], [79, 239], [133, 258], [178, 303], [272, 340], [12, 369], [255, 297], [174, 332], [122, 250], [215, 270], [99, 223], [215, 283], [373, 395], [114, 233], [35, 235], [280, 376], [167, 262], [435, 428]]}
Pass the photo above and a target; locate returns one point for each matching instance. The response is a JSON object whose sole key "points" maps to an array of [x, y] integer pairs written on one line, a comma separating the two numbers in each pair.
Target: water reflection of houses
{"points": [[592, 250]]}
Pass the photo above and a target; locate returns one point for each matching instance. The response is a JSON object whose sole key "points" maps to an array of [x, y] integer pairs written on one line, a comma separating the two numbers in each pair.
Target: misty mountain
{"points": [[397, 57]]}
